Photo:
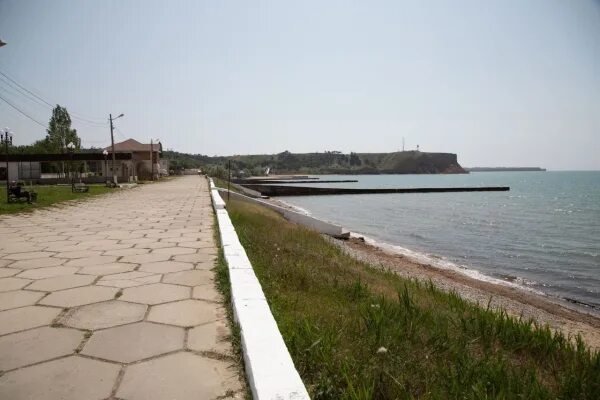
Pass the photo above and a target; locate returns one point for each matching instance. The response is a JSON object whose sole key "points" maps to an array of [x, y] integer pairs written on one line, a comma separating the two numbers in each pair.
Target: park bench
{"points": [[17, 194], [80, 187]]}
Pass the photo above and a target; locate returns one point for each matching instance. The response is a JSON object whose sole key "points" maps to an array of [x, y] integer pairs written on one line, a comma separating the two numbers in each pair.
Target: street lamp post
{"points": [[71, 149], [105, 163], [6, 137], [152, 158], [112, 141]]}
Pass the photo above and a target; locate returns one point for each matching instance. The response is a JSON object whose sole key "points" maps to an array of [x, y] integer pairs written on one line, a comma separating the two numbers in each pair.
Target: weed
{"points": [[336, 314]]}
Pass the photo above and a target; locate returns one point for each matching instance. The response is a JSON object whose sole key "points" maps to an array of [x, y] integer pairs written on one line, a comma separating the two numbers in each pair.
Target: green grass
{"points": [[222, 183], [335, 313], [48, 196], [224, 287]]}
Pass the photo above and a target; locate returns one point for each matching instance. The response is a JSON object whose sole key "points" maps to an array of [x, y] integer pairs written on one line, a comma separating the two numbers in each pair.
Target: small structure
{"points": [[59, 168], [145, 163], [133, 160]]}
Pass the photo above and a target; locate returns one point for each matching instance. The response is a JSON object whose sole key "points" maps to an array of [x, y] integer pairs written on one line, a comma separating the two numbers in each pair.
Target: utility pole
{"points": [[112, 141], [152, 159], [6, 138], [229, 182]]}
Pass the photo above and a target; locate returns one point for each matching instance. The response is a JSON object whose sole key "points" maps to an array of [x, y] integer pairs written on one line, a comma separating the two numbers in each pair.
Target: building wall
{"points": [[21, 170]]}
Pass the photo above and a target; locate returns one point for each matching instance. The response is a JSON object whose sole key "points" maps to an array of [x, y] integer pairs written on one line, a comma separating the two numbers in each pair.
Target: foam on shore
{"points": [[441, 263]]}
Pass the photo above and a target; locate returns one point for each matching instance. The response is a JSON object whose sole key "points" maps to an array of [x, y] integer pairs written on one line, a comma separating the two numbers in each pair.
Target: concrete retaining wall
{"points": [[269, 366]]}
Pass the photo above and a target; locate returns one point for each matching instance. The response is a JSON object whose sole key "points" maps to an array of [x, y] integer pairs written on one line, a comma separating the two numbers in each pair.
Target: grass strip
{"points": [[358, 332], [48, 196], [224, 287]]}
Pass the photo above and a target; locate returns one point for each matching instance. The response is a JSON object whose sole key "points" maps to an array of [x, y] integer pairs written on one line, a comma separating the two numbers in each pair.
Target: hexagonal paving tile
{"points": [[134, 342], [127, 283], [178, 239], [38, 263], [102, 244], [18, 298], [163, 235], [28, 255], [36, 345], [205, 265], [47, 272], [78, 254], [196, 258], [25, 318], [207, 292], [155, 245], [61, 282], [210, 337], [182, 375], [68, 378], [199, 244], [128, 275], [190, 278], [212, 251], [79, 296], [20, 247], [7, 284], [5, 272], [183, 313], [145, 258], [163, 267], [126, 252], [107, 269], [137, 241], [91, 261], [172, 251], [104, 315], [155, 293]]}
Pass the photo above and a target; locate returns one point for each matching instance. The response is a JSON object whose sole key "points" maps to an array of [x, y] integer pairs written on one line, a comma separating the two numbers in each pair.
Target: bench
{"points": [[17, 194], [81, 187]]}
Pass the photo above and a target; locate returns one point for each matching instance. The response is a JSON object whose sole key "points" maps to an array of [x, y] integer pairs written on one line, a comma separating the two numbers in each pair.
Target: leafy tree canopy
{"points": [[59, 133]]}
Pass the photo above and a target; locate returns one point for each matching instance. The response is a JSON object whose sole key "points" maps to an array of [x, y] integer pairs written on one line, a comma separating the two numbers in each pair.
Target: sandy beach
{"points": [[544, 310]]}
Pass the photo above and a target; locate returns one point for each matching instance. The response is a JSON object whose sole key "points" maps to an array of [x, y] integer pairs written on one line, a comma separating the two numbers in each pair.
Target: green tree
{"points": [[59, 132]]}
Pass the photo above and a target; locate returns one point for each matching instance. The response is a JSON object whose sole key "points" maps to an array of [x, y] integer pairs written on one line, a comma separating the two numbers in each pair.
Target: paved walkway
{"points": [[113, 298]]}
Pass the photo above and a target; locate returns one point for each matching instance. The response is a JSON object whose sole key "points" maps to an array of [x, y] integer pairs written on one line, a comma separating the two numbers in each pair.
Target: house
{"points": [[145, 162]]}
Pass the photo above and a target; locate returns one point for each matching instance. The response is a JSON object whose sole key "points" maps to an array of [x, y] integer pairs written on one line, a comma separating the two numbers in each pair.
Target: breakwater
{"points": [[286, 190], [286, 181]]}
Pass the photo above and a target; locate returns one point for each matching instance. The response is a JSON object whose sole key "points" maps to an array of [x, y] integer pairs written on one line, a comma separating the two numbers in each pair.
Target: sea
{"points": [[543, 235]]}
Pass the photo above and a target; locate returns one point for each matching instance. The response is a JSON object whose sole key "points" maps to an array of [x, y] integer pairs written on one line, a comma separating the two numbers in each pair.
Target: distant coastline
{"points": [[504, 169]]}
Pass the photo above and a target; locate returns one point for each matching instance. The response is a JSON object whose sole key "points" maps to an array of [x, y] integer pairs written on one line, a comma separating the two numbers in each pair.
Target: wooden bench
{"points": [[81, 187], [17, 194]]}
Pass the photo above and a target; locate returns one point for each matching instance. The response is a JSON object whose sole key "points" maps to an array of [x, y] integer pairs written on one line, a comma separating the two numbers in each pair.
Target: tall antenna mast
{"points": [[402, 143]]}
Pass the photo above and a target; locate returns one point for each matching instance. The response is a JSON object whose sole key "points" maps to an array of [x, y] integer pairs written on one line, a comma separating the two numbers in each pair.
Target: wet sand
{"points": [[544, 310]]}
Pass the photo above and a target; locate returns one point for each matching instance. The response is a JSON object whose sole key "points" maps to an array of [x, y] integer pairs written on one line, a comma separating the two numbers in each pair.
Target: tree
{"points": [[59, 132]]}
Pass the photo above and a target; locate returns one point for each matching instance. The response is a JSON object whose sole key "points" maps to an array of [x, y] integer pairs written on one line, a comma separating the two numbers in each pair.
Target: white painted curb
{"points": [[269, 366]]}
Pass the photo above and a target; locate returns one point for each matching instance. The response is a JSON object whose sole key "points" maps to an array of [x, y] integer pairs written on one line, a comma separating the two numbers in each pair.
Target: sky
{"points": [[499, 82]]}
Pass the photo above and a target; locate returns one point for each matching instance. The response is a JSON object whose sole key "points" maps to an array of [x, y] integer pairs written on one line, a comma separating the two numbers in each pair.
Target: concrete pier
{"points": [[285, 190]]}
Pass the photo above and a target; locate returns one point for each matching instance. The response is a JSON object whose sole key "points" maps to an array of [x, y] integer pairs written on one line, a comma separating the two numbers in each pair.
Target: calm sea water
{"points": [[544, 233]]}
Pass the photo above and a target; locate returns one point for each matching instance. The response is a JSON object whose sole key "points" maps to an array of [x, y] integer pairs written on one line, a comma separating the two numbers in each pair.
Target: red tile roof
{"points": [[133, 146]]}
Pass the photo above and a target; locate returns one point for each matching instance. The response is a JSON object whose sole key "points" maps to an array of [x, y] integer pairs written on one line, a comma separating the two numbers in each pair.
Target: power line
{"points": [[16, 84], [120, 133], [17, 90], [22, 112]]}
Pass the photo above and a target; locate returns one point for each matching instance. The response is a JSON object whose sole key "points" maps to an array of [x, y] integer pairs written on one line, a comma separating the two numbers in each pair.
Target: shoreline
{"points": [[514, 299]]}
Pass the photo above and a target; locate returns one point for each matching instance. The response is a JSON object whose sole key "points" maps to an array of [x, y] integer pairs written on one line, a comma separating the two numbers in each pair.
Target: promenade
{"points": [[114, 298]]}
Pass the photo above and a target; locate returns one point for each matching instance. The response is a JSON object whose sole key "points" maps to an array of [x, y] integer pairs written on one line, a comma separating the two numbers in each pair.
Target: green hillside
{"points": [[330, 162]]}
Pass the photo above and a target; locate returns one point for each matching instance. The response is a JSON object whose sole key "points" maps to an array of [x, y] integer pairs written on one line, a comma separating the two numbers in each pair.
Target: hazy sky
{"points": [[501, 83]]}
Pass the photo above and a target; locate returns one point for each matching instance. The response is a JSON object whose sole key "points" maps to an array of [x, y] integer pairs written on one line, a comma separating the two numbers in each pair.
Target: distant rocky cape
{"points": [[329, 162], [412, 162], [403, 162]]}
